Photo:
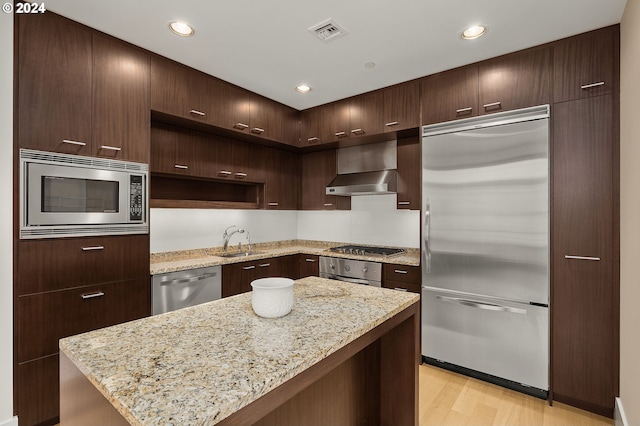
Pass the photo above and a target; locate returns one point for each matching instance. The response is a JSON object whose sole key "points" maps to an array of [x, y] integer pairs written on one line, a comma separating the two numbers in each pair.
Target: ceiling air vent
{"points": [[328, 30]]}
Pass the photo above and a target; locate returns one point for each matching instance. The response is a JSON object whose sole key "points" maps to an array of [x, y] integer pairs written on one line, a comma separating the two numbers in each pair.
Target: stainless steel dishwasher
{"points": [[177, 290]]}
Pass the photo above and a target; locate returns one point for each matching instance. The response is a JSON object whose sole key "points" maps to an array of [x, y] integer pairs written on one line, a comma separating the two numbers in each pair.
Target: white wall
{"points": [[630, 212], [372, 219], [6, 221]]}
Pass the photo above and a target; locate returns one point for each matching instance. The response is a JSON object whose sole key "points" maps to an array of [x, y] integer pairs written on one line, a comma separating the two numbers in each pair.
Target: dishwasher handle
{"points": [[189, 280]]}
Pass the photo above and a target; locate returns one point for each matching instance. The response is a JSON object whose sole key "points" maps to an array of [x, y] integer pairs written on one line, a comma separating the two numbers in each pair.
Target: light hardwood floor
{"points": [[450, 399]]}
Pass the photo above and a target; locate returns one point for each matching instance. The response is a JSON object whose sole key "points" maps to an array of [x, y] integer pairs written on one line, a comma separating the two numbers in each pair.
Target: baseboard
{"points": [[10, 422], [618, 414]]}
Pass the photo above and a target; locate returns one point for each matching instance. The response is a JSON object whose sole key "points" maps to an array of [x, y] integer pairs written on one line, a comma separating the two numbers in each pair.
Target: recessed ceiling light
{"points": [[369, 64], [474, 32], [181, 29], [303, 88]]}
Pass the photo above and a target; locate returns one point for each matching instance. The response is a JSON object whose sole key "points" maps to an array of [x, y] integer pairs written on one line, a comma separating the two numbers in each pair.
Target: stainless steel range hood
{"points": [[366, 170]]}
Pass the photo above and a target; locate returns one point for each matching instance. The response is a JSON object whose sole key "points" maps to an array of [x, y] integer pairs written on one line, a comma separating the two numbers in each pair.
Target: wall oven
{"points": [[65, 195]]}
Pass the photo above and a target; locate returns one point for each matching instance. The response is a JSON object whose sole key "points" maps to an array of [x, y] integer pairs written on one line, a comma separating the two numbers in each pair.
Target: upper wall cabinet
{"points": [[450, 95], [314, 125], [179, 91], [509, 82], [515, 81], [583, 66], [401, 107], [357, 117], [81, 93], [54, 84]]}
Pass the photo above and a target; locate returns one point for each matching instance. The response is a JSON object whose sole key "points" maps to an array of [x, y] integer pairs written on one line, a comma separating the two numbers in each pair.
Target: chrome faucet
{"points": [[227, 236]]}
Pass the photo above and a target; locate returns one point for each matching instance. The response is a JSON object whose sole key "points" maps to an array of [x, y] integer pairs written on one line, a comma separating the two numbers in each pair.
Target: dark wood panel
{"points": [[62, 262], [394, 272], [402, 286], [309, 265], [583, 302], [351, 391], [54, 84], [282, 180], [121, 97], [310, 127], [401, 107], [184, 190], [318, 169], [164, 141], [515, 81], [450, 95], [266, 118], [178, 90], [409, 169], [195, 151], [236, 278], [38, 392], [290, 126], [585, 60], [289, 267], [45, 318], [366, 115]]}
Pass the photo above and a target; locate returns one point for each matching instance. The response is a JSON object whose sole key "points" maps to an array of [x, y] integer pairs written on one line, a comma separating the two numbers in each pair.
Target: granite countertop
{"points": [[201, 364], [162, 263]]}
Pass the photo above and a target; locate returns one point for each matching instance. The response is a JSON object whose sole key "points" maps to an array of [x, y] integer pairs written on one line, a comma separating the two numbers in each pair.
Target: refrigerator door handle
{"points": [[483, 305], [427, 237]]}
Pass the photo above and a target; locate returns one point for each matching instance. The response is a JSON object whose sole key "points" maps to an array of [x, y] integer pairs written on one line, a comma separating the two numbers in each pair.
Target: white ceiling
{"points": [[264, 45]]}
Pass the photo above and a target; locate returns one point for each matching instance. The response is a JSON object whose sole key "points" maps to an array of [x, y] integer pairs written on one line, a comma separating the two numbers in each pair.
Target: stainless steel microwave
{"points": [[65, 195]]}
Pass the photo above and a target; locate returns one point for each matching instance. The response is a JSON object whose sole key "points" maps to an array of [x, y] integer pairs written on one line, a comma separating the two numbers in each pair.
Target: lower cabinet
{"points": [[401, 277], [308, 265], [237, 277]]}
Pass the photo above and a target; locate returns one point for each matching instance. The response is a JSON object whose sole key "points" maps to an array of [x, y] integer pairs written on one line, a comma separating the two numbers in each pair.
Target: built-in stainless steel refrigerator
{"points": [[485, 247]]}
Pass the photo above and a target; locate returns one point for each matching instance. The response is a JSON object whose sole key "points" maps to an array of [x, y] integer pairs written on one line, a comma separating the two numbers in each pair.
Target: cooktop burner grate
{"points": [[367, 250]]}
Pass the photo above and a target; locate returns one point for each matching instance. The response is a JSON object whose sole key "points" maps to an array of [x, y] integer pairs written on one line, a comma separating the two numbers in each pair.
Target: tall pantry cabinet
{"points": [[585, 228]]}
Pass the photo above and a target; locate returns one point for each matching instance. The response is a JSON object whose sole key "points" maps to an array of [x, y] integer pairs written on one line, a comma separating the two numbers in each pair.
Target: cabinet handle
{"points": [[589, 86], [92, 295], [257, 130], [93, 248], [196, 112], [341, 134], [310, 260], [358, 132], [70, 142], [328, 204], [463, 110], [224, 173], [401, 271], [313, 140], [404, 203], [265, 265], [180, 166], [596, 259], [272, 204], [491, 105], [240, 126], [391, 124], [111, 148], [400, 289], [248, 268], [240, 175]]}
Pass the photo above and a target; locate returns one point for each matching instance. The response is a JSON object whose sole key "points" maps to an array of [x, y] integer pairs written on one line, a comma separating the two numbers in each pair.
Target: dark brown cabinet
{"points": [[318, 169], [450, 95], [401, 107], [312, 130], [584, 294], [237, 277], [402, 277], [81, 93], [355, 117], [120, 101], [178, 90], [584, 66], [308, 265], [282, 181], [79, 284], [509, 82], [515, 81], [409, 185]]}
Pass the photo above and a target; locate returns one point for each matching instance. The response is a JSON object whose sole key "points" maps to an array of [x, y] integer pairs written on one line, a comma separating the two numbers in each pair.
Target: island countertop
{"points": [[200, 365]]}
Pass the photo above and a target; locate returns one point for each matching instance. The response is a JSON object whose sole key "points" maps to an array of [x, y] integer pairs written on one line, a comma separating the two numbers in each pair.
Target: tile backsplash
{"points": [[373, 219]]}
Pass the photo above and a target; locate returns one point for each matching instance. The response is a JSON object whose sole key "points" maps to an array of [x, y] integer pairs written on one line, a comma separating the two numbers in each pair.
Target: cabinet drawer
{"points": [[402, 286], [72, 262], [405, 274], [38, 391], [47, 317]]}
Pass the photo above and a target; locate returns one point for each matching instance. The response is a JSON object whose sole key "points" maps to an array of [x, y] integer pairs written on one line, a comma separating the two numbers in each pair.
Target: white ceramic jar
{"points": [[272, 297]]}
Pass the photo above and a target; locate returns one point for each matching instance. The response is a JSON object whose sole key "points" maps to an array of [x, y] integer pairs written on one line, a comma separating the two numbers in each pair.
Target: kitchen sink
{"points": [[238, 254]]}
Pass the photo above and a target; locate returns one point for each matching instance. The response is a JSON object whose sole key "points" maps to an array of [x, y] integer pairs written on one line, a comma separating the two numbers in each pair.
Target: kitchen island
{"points": [[346, 354]]}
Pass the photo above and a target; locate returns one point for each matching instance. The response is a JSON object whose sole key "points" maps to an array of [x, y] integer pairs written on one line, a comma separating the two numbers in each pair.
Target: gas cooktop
{"points": [[367, 250]]}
